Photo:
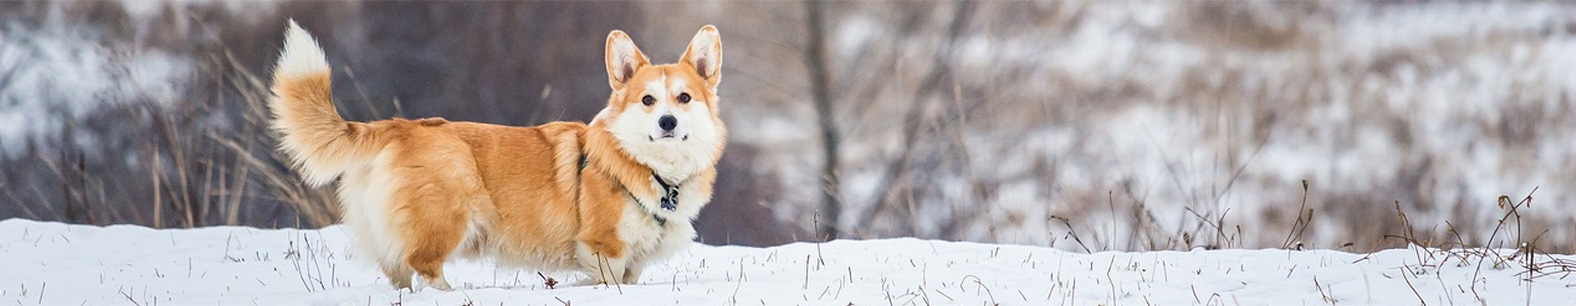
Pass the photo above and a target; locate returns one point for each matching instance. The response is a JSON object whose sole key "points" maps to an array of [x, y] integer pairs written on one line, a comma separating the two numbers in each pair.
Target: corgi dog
{"points": [[606, 198]]}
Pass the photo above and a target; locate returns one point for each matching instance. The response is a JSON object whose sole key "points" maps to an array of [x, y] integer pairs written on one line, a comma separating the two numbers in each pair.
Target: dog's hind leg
{"points": [[438, 219], [398, 274], [439, 195]]}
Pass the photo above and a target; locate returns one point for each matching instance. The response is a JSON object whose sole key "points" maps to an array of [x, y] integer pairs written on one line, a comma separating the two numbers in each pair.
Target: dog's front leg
{"points": [[601, 268], [600, 250], [613, 270], [632, 273]]}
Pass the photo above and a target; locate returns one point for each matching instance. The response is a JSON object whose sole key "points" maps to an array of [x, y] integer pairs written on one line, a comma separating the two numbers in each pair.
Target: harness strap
{"points": [[660, 220], [669, 198], [670, 193]]}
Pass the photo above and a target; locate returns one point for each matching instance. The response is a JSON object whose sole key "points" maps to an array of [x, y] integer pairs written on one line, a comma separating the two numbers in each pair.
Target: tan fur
{"points": [[415, 192]]}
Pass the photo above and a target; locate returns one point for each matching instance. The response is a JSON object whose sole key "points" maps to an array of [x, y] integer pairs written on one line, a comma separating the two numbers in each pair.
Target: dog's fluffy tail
{"points": [[321, 144]]}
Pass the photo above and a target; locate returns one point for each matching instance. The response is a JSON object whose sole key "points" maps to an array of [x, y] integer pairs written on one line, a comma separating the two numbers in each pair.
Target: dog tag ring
{"points": [[670, 201]]}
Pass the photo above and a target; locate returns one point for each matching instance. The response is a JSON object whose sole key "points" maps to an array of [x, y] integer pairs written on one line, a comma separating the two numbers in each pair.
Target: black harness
{"points": [[670, 193]]}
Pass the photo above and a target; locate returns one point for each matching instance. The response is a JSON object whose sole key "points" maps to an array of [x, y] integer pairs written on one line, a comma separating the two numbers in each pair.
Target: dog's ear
{"points": [[623, 59], [705, 55]]}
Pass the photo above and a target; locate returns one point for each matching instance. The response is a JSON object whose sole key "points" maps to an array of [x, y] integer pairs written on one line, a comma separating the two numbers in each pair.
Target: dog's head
{"points": [[665, 116]]}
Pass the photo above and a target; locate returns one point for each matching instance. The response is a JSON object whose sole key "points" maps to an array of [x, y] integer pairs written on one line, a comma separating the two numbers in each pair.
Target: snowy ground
{"points": [[58, 264]]}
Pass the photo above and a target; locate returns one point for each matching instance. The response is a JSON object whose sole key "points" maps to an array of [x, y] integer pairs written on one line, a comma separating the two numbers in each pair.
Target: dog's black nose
{"points": [[667, 123]]}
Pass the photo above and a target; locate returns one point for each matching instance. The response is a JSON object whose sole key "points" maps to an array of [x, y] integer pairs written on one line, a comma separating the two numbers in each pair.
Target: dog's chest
{"points": [[643, 233], [651, 231]]}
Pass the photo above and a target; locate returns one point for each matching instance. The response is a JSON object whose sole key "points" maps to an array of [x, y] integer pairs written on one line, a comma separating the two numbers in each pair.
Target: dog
{"points": [[606, 198]]}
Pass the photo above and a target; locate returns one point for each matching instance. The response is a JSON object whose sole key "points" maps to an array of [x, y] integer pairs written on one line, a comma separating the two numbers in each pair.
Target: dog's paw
{"points": [[440, 284], [587, 282]]}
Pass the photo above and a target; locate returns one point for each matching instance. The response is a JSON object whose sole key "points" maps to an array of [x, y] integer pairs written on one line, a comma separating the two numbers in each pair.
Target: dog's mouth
{"points": [[669, 136]]}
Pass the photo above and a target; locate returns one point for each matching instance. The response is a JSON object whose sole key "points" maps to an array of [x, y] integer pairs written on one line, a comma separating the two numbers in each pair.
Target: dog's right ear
{"points": [[623, 59]]}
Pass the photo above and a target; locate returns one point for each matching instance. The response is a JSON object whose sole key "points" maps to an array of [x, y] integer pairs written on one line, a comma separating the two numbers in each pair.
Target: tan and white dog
{"points": [[606, 198]]}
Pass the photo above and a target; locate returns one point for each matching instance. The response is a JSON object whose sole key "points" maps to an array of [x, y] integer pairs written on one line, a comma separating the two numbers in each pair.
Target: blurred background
{"points": [[1081, 125]]}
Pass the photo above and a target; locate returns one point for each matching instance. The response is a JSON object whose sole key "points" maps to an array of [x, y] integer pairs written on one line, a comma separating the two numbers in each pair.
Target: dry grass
{"points": [[205, 156], [1514, 250]]}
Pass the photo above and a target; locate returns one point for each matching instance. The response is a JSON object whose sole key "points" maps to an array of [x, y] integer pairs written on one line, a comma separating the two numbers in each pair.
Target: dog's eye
{"points": [[684, 98], [648, 100]]}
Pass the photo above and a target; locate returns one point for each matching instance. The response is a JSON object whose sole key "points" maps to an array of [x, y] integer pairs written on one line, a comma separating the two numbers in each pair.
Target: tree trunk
{"points": [[820, 83]]}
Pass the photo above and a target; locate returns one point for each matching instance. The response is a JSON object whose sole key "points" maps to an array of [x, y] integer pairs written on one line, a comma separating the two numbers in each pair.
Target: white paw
{"points": [[439, 284]]}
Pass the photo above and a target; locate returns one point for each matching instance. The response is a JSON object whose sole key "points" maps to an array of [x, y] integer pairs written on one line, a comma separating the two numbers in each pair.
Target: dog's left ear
{"points": [[704, 54]]}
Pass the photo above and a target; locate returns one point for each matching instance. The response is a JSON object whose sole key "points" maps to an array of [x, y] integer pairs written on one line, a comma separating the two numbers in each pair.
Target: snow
{"points": [[59, 264], [1440, 106], [61, 67]]}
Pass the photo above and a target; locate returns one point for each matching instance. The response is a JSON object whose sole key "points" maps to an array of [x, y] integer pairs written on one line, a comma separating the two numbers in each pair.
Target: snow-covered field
{"points": [[59, 264], [1140, 121]]}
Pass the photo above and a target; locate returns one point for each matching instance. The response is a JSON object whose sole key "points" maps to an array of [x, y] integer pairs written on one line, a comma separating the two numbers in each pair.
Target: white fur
{"points": [[646, 240], [365, 196], [657, 243], [673, 159], [301, 54], [364, 193]]}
